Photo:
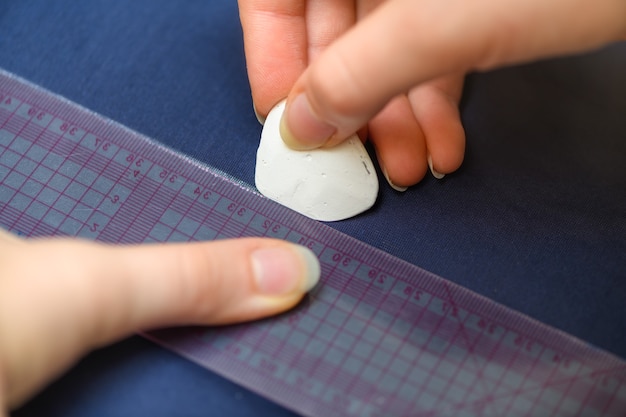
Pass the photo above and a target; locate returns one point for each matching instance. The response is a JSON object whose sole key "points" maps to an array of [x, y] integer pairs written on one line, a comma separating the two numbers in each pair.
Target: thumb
{"points": [[69, 296], [404, 43]]}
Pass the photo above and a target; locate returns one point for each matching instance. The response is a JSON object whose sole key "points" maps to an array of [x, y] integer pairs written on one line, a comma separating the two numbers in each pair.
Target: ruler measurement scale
{"points": [[380, 337]]}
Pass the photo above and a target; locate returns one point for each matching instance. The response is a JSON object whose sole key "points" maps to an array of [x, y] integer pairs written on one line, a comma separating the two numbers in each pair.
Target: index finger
{"points": [[61, 297], [275, 42]]}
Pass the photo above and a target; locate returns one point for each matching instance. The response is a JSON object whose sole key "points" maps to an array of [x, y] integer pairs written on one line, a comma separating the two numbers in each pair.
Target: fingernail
{"points": [[436, 174], [260, 118], [394, 186], [285, 270], [300, 128]]}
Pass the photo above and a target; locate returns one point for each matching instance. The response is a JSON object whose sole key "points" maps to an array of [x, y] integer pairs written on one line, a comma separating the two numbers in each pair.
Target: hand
{"points": [[62, 297], [397, 66]]}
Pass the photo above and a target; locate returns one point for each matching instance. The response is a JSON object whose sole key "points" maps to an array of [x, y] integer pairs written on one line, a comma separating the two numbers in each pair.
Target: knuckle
{"points": [[335, 95]]}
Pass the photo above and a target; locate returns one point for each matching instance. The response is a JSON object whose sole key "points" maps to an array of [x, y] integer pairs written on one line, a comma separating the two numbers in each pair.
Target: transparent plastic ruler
{"points": [[378, 337]]}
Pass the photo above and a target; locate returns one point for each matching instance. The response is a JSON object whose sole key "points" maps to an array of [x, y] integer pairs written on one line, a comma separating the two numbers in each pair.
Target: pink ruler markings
{"points": [[379, 337]]}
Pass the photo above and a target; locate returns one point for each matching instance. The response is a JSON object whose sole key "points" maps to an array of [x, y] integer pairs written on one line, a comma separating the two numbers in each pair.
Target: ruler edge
{"points": [[521, 323], [263, 390]]}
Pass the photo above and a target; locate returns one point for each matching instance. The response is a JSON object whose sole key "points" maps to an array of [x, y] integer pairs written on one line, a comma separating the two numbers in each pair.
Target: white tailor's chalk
{"points": [[326, 184]]}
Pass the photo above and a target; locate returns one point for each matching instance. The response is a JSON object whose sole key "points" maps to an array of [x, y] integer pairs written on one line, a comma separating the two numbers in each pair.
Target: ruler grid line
{"points": [[380, 279], [371, 391], [453, 311], [341, 328], [311, 338], [380, 337], [54, 172], [38, 165], [403, 379]]}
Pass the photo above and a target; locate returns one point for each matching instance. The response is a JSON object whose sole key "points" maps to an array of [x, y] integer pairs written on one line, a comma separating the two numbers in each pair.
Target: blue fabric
{"points": [[535, 218]]}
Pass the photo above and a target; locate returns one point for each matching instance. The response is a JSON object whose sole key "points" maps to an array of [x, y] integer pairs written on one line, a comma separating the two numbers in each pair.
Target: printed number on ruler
{"points": [[67, 181]]}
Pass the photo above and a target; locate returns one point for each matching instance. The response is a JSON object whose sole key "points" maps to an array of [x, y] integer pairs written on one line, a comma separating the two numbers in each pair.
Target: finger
{"points": [[364, 7], [363, 133], [73, 296], [318, 14], [400, 144], [326, 20], [397, 137], [404, 43], [436, 108], [275, 43], [6, 237]]}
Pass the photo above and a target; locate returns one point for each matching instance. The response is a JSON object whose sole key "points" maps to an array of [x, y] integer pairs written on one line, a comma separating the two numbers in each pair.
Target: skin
{"points": [[60, 298], [391, 70], [394, 69]]}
